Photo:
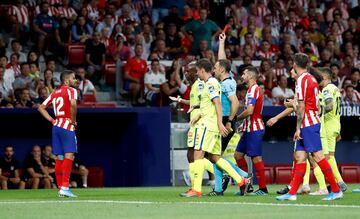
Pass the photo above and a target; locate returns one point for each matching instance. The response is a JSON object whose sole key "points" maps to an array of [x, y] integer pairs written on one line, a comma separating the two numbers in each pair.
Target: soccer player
{"points": [[253, 130], [208, 130], [64, 145], [197, 86], [230, 105], [9, 170], [307, 135]]}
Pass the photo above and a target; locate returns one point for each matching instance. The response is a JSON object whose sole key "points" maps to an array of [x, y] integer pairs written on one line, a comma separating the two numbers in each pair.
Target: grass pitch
{"points": [[164, 202]]}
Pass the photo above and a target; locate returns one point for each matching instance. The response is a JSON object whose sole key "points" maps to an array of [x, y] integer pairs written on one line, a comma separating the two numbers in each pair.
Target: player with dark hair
{"points": [[64, 143], [307, 135]]}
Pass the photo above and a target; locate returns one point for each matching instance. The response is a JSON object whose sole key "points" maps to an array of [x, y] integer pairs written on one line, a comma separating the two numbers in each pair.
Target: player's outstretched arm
{"points": [[45, 114], [221, 52], [180, 100], [247, 112], [279, 116]]}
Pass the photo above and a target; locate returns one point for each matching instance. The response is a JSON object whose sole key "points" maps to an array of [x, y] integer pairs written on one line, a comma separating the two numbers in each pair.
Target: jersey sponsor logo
{"points": [[201, 87], [211, 89]]}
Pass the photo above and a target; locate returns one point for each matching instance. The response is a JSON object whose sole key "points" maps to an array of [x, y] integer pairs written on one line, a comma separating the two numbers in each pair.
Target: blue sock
{"points": [[237, 169], [218, 173]]}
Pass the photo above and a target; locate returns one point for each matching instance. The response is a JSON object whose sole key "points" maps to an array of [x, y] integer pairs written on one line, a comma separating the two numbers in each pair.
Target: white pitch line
{"points": [[199, 203]]}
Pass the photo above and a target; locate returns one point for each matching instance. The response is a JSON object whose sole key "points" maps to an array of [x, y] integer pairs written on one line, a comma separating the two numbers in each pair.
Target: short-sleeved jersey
{"points": [[332, 118], [195, 96], [307, 90], [136, 69], [8, 167], [208, 118], [61, 100], [228, 88], [254, 122]]}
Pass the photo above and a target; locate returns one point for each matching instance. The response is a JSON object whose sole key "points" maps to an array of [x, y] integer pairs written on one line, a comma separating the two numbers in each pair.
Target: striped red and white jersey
{"points": [[21, 13], [142, 5], [53, 12], [61, 100], [262, 10], [55, 2], [31, 3], [93, 13], [265, 55], [254, 122], [67, 12], [278, 72], [307, 90]]}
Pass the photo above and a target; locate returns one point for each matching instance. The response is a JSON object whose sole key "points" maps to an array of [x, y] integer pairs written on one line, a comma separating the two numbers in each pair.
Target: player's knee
{"points": [[300, 157], [69, 156], [256, 159], [318, 156]]}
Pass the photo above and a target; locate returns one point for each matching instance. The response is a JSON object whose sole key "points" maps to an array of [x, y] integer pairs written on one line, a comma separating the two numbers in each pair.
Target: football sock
{"points": [[58, 172], [237, 169], [191, 173], [208, 165], [329, 176], [218, 173], [198, 174], [260, 174], [66, 171], [320, 178], [293, 169], [335, 169], [224, 165], [242, 164], [306, 179], [300, 169]]}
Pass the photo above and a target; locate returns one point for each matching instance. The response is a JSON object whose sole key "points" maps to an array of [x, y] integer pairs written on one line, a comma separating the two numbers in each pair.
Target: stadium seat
{"points": [[110, 73], [269, 174], [95, 177], [89, 98], [350, 173], [76, 54], [283, 174]]}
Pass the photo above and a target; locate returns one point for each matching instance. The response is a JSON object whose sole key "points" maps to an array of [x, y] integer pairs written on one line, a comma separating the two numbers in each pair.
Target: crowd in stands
{"points": [[144, 33], [37, 171]]}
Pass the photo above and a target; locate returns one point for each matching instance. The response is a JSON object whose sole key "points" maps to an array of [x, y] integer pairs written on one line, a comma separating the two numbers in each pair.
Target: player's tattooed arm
{"points": [[328, 105], [300, 111]]}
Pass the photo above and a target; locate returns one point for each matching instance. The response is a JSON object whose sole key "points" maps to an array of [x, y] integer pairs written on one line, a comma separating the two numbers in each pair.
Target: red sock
{"points": [[260, 174], [58, 172], [329, 176], [66, 170], [242, 164], [299, 173], [293, 169]]}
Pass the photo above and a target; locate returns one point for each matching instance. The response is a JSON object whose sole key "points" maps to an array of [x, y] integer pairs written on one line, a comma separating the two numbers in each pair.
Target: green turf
{"points": [[164, 202]]}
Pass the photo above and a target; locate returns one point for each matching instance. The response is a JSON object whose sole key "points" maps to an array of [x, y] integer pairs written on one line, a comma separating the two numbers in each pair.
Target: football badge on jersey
{"points": [[211, 89], [201, 87]]}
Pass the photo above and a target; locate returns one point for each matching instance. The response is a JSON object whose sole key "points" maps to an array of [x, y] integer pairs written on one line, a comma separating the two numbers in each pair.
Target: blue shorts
{"points": [[311, 141], [250, 143], [63, 141]]}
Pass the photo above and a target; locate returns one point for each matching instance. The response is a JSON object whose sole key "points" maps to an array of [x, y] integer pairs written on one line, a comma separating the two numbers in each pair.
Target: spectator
{"points": [[173, 18], [16, 49], [34, 71], [25, 100], [32, 57], [267, 101], [107, 23], [13, 67], [241, 91], [348, 65], [95, 57], [6, 89], [119, 50], [202, 29], [265, 52], [173, 41], [9, 170], [159, 10], [282, 92], [351, 96], [135, 70], [48, 159], [336, 79], [355, 77], [160, 50], [340, 6], [49, 80], [153, 80], [36, 175], [24, 80], [85, 85], [81, 31], [128, 15], [66, 11], [19, 18], [44, 27], [63, 37], [43, 93], [93, 11], [79, 174]]}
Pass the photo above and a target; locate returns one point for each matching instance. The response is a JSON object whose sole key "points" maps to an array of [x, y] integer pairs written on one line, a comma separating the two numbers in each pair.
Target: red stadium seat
{"points": [[350, 173], [283, 174], [269, 174], [110, 73], [89, 98], [76, 54], [95, 177]]}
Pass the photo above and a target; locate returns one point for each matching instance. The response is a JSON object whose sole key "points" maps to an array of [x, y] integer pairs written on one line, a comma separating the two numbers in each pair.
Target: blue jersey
{"points": [[228, 88]]}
